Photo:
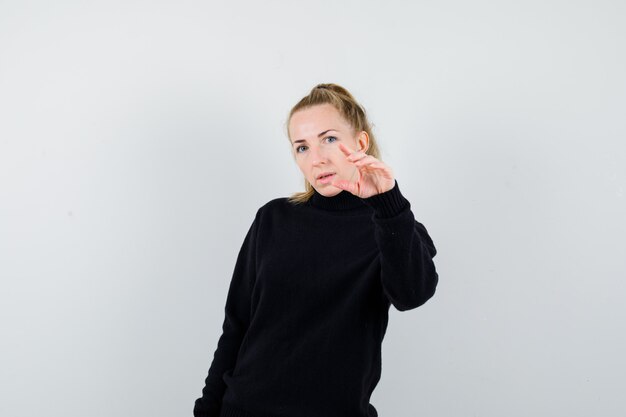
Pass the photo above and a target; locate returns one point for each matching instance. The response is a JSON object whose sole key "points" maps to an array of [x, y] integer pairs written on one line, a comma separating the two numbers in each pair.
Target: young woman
{"points": [[308, 303]]}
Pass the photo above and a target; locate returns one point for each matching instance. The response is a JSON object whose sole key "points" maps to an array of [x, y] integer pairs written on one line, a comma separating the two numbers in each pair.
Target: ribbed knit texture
{"points": [[308, 303], [232, 411]]}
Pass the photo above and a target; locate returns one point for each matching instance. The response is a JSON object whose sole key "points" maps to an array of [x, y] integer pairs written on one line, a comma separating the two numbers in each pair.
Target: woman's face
{"points": [[314, 134]]}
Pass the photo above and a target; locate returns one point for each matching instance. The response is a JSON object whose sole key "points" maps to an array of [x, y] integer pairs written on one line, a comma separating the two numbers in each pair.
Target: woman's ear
{"points": [[363, 141]]}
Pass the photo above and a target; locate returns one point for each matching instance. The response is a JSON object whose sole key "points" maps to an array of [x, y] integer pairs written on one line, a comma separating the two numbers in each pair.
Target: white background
{"points": [[138, 139]]}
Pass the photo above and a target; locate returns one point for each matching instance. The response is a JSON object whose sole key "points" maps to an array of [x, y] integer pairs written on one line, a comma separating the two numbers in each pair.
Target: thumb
{"points": [[345, 185]]}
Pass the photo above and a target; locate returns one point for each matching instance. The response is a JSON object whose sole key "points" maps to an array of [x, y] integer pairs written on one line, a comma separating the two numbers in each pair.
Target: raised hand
{"points": [[373, 176]]}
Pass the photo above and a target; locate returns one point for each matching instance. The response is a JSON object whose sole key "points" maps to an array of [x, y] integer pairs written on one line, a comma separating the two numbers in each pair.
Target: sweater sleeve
{"points": [[236, 322], [408, 274]]}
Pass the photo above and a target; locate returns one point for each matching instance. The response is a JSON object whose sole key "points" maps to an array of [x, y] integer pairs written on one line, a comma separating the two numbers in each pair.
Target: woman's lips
{"points": [[326, 180]]}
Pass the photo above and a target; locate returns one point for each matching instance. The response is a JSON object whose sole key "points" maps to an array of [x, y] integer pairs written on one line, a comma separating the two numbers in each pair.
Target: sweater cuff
{"points": [[387, 204]]}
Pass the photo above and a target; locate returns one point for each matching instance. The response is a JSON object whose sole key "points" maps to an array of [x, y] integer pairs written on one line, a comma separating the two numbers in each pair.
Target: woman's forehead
{"points": [[312, 121]]}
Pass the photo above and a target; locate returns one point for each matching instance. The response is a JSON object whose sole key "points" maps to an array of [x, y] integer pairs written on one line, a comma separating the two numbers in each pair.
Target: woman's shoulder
{"points": [[279, 207], [280, 204]]}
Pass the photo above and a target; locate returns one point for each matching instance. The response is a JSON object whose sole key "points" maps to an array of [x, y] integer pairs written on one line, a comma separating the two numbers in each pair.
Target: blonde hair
{"points": [[348, 108]]}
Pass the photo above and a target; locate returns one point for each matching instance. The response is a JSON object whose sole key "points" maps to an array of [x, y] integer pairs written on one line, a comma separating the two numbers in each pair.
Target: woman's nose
{"points": [[320, 154]]}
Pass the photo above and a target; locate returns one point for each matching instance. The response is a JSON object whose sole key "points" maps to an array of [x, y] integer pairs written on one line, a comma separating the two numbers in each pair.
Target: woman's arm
{"points": [[408, 274], [234, 327]]}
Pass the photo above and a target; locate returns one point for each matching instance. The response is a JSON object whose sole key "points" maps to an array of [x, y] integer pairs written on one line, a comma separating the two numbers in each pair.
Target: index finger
{"points": [[347, 151]]}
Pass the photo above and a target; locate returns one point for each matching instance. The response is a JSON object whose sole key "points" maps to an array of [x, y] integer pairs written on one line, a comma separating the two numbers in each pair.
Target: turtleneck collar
{"points": [[345, 200]]}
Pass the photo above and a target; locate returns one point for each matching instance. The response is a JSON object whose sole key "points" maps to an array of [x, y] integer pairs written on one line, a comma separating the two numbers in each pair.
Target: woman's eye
{"points": [[298, 148], [331, 137]]}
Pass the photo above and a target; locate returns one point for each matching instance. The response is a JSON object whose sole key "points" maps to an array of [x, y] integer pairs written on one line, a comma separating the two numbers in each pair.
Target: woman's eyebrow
{"points": [[319, 135], [326, 131]]}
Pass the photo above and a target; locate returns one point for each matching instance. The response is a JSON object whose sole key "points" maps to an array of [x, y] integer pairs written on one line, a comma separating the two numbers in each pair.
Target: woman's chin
{"points": [[328, 190]]}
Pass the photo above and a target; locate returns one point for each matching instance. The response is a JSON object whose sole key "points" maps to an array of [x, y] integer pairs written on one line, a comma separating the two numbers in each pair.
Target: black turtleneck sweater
{"points": [[308, 304]]}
